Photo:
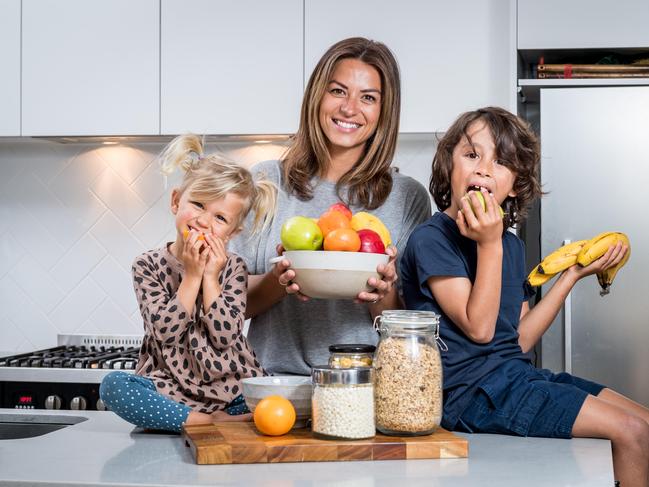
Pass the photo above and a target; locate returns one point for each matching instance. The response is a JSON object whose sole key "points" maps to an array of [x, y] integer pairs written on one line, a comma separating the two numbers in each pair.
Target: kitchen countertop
{"points": [[106, 450]]}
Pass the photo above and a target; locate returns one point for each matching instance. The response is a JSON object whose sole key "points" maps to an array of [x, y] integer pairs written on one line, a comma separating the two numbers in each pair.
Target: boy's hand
{"points": [[484, 227], [194, 255], [611, 258]]}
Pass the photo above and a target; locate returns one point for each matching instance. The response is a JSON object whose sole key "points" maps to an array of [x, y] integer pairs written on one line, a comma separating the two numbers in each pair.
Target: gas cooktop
{"points": [[77, 358]]}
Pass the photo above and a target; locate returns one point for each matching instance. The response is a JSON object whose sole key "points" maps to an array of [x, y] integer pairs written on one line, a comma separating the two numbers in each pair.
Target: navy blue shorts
{"points": [[519, 399]]}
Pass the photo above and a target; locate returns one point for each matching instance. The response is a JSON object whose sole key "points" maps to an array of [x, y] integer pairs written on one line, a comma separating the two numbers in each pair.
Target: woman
{"points": [[342, 152]]}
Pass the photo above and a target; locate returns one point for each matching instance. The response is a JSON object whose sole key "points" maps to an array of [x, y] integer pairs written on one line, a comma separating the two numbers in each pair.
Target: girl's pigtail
{"points": [[264, 204], [184, 152]]}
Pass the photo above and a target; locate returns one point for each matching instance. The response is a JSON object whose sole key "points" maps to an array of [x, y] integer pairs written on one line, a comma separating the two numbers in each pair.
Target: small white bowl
{"points": [[295, 388], [329, 274]]}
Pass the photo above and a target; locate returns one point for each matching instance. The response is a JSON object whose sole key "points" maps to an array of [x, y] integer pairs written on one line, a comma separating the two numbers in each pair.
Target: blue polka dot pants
{"points": [[134, 398]]}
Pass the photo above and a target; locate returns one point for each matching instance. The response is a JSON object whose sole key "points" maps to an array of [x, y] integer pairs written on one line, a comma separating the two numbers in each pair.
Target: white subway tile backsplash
{"points": [[37, 282], [155, 224], [117, 239], [116, 283], [110, 319], [10, 252], [125, 161], [78, 262], [78, 306], [74, 216], [34, 237], [116, 194]]}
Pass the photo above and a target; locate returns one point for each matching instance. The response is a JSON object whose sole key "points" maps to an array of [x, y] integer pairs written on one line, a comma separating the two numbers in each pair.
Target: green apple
{"points": [[484, 203], [301, 233]]}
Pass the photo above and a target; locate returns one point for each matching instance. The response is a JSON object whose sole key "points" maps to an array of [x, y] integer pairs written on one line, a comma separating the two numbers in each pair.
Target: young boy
{"points": [[463, 265]]}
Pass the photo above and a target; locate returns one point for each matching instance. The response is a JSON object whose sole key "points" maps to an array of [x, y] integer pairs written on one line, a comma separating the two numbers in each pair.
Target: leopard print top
{"points": [[200, 359]]}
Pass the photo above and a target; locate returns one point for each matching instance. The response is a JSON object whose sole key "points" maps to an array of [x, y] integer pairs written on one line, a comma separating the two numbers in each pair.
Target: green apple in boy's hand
{"points": [[483, 202], [301, 233]]}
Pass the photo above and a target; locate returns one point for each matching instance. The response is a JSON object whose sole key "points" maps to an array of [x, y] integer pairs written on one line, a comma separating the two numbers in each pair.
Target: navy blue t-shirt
{"points": [[436, 248]]}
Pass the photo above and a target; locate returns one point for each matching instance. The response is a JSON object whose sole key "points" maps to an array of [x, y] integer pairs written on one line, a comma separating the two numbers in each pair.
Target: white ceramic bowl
{"points": [[334, 275], [295, 388]]}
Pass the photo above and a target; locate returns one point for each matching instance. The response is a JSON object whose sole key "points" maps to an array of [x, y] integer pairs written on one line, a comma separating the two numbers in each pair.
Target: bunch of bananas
{"points": [[582, 252]]}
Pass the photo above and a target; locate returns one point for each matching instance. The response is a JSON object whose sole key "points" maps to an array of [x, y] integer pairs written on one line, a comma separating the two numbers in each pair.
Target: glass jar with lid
{"points": [[408, 373], [342, 402], [344, 356]]}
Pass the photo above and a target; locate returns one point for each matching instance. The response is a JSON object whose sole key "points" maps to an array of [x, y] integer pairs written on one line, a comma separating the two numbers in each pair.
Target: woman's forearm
{"points": [[263, 292]]}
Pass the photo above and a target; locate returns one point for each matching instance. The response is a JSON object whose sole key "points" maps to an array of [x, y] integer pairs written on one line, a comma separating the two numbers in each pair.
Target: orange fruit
{"points": [[186, 234], [274, 415], [331, 220], [344, 239]]}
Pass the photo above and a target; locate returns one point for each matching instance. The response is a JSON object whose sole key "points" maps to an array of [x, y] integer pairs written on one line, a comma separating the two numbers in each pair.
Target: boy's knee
{"points": [[635, 432]]}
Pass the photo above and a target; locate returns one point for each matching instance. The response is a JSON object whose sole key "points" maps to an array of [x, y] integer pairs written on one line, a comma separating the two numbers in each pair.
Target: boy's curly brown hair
{"points": [[517, 148]]}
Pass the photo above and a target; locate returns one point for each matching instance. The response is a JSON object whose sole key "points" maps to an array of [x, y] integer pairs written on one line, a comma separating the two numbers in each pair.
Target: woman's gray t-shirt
{"points": [[293, 336]]}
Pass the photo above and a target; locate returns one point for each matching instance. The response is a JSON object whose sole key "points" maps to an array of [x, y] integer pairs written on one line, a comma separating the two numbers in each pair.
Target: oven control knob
{"points": [[78, 403], [53, 402], [100, 405]]}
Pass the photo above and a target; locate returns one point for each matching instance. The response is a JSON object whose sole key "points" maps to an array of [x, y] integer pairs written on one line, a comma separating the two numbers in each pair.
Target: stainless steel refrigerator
{"points": [[595, 167]]}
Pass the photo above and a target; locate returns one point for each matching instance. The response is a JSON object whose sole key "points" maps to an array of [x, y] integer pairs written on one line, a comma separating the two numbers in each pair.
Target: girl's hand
{"points": [[476, 224], [218, 256], [193, 257], [285, 275], [611, 258], [384, 285]]}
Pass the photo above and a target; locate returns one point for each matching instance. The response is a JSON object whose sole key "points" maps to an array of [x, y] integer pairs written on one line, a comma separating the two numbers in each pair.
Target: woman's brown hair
{"points": [[517, 148], [369, 182]]}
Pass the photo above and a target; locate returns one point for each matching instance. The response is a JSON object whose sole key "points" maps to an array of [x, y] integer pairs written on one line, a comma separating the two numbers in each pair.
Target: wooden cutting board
{"points": [[223, 443]]}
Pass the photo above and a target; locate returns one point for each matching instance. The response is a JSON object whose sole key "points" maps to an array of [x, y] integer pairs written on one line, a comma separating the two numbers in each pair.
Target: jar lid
{"points": [[352, 348], [323, 375], [409, 319]]}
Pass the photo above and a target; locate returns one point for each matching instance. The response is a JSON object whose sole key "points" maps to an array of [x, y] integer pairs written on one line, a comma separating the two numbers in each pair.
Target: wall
{"points": [[73, 217]]}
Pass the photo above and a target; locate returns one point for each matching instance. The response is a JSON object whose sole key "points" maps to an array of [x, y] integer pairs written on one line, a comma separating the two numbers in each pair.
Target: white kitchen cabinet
{"points": [[578, 24], [10, 62], [231, 67], [90, 67], [453, 56]]}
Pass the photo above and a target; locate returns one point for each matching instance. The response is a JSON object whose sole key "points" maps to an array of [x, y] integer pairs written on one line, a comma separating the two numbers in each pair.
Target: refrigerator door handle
{"points": [[567, 329]]}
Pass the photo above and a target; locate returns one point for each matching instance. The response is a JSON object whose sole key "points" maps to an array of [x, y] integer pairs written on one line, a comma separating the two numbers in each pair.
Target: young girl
{"points": [[192, 296], [463, 265]]}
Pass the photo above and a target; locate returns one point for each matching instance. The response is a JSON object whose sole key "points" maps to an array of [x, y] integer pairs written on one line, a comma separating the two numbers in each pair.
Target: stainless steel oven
{"points": [[66, 376]]}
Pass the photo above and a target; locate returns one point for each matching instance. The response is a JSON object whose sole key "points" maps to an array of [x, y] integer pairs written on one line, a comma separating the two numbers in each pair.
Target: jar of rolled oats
{"points": [[408, 373]]}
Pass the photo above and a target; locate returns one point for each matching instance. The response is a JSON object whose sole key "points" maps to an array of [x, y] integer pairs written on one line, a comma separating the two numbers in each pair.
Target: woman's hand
{"points": [[194, 256], [611, 258], [482, 226], [285, 275], [383, 286], [217, 257]]}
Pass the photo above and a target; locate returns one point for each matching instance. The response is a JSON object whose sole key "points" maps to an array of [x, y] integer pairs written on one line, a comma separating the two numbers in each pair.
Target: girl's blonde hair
{"points": [[369, 182], [210, 177]]}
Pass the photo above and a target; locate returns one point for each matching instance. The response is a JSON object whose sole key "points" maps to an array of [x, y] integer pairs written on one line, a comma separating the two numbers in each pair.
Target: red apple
{"points": [[341, 207], [371, 241]]}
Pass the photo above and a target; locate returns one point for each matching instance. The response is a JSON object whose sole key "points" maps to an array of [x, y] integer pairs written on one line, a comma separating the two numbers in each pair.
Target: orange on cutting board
{"points": [[344, 239], [274, 415], [331, 220]]}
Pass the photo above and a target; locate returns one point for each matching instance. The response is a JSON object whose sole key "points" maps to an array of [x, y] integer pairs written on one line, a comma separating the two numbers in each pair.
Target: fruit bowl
{"points": [[333, 274], [295, 388]]}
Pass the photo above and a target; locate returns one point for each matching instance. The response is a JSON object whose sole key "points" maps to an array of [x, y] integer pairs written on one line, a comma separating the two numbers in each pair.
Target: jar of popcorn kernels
{"points": [[342, 402]]}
